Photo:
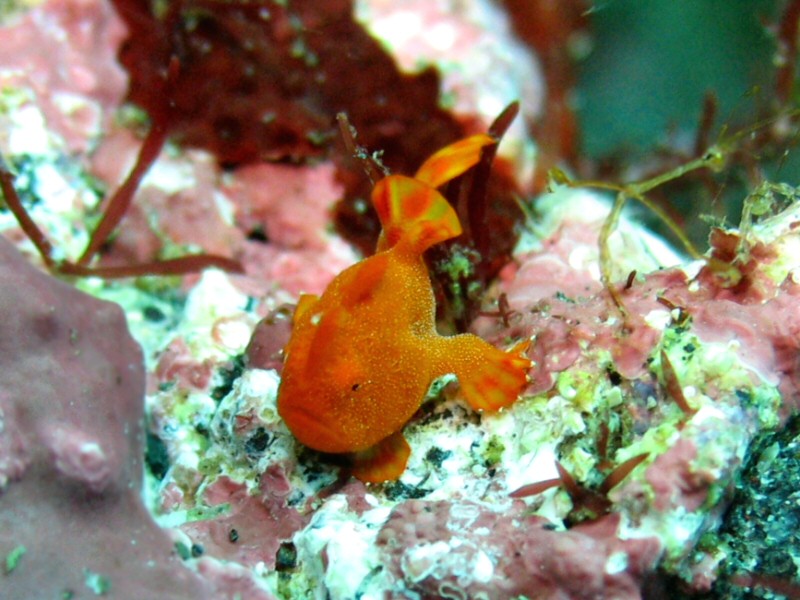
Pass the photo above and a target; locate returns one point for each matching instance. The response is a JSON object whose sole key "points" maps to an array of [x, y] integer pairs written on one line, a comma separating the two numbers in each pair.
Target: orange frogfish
{"points": [[362, 356]]}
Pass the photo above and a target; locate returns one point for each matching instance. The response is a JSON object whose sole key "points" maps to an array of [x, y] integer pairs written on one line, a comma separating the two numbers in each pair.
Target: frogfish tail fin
{"points": [[413, 211], [453, 160]]}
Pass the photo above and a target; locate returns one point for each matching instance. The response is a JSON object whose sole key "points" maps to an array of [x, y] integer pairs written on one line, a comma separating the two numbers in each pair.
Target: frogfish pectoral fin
{"points": [[490, 379], [385, 461], [304, 304]]}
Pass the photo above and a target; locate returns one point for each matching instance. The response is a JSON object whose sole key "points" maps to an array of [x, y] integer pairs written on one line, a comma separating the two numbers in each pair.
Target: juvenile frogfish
{"points": [[362, 356]]}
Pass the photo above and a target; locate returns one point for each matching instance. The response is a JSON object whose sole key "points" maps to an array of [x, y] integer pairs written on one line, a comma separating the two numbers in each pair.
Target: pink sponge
{"points": [[72, 522]]}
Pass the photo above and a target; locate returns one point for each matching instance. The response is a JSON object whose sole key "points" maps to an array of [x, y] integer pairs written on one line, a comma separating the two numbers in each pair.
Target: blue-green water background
{"points": [[653, 60], [641, 87]]}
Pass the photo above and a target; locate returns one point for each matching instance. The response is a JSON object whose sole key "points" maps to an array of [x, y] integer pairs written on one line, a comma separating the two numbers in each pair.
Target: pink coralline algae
{"points": [[180, 193], [555, 294], [256, 525], [768, 331], [467, 550], [286, 211], [555, 297], [286, 204], [71, 448], [61, 52], [674, 481], [177, 365]]}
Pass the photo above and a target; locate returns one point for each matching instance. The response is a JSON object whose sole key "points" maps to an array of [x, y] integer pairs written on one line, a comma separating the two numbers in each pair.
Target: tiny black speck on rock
{"points": [[437, 456], [286, 558], [153, 314], [258, 442]]}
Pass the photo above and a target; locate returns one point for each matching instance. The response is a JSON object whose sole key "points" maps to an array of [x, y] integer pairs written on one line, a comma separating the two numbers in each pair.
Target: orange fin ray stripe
{"points": [[496, 381], [414, 212], [385, 461], [453, 160]]}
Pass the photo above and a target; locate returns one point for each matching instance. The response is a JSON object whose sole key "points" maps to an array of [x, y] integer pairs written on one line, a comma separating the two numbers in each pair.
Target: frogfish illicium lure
{"points": [[362, 356]]}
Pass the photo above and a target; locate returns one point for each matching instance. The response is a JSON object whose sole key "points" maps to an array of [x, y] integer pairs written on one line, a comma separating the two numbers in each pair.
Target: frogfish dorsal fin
{"points": [[414, 212], [410, 208], [453, 160]]}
